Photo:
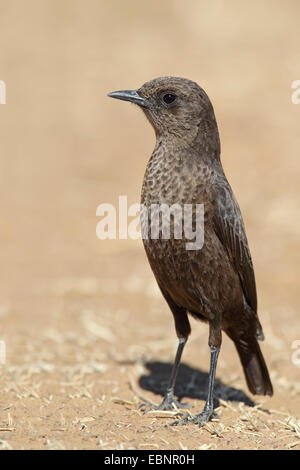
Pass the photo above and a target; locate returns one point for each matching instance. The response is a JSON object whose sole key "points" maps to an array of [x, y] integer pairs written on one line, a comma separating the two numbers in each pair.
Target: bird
{"points": [[215, 282]]}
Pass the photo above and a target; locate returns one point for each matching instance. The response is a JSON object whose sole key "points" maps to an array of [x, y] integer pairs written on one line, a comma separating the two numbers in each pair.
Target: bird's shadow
{"points": [[190, 383]]}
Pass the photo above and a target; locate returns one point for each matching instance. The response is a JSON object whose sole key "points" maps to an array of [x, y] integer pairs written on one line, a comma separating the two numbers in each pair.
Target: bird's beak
{"points": [[129, 95]]}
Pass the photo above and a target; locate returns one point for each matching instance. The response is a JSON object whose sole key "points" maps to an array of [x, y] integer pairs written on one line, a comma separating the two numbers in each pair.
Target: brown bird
{"points": [[215, 282]]}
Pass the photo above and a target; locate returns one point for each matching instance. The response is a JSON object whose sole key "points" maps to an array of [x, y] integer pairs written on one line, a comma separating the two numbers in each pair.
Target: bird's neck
{"points": [[201, 143]]}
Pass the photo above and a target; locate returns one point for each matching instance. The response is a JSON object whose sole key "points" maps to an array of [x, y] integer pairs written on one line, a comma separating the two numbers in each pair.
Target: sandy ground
{"points": [[88, 336]]}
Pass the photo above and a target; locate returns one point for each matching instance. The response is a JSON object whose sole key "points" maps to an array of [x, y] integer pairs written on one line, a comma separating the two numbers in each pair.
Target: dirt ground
{"points": [[88, 336]]}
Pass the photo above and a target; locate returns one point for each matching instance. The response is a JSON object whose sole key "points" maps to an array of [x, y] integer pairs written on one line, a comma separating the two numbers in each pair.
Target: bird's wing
{"points": [[229, 227]]}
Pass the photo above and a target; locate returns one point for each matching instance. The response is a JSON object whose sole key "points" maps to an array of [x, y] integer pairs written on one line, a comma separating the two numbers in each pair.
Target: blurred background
{"points": [[65, 148]]}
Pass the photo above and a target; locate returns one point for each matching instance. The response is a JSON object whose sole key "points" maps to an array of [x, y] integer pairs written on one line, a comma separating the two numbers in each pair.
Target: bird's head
{"points": [[176, 107]]}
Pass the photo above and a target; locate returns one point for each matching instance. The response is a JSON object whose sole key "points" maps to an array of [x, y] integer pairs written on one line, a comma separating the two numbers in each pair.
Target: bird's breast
{"points": [[175, 177], [177, 202]]}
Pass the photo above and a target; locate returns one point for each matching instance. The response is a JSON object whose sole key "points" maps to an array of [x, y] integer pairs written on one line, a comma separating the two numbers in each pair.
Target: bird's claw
{"points": [[199, 419], [168, 404]]}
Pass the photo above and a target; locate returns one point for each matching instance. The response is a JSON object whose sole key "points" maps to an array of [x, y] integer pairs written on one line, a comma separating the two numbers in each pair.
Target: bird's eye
{"points": [[169, 98]]}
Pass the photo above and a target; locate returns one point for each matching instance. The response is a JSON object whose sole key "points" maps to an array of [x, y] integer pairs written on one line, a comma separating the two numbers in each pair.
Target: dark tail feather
{"points": [[255, 369]]}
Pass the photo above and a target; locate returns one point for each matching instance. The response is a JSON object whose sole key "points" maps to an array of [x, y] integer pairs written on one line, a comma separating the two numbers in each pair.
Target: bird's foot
{"points": [[199, 419], [169, 403]]}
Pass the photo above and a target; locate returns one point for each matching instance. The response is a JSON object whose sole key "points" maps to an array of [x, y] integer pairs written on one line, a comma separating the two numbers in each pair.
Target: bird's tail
{"points": [[255, 369]]}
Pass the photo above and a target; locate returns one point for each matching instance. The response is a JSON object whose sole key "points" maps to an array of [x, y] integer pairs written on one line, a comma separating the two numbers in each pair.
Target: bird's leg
{"points": [[208, 410], [183, 331], [169, 401]]}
